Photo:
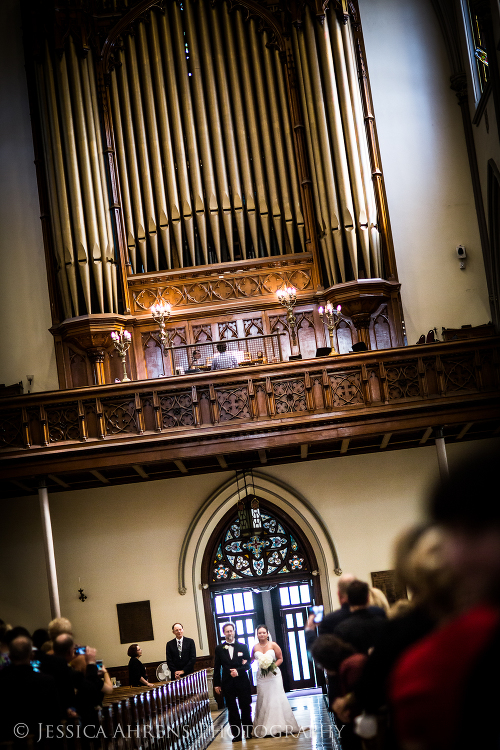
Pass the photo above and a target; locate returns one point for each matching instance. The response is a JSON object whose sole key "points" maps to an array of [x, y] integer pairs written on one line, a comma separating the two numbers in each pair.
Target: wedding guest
{"points": [[444, 690], [180, 653], [224, 360], [136, 670], [27, 698]]}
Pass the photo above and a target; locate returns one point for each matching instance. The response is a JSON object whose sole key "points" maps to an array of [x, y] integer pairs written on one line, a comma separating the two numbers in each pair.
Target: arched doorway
{"points": [[269, 577]]}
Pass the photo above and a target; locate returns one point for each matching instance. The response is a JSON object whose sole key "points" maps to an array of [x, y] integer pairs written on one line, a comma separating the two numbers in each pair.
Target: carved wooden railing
{"points": [[174, 716], [179, 414]]}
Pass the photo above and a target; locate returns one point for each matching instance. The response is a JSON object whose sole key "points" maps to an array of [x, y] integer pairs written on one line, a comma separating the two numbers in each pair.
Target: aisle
{"points": [[311, 714]]}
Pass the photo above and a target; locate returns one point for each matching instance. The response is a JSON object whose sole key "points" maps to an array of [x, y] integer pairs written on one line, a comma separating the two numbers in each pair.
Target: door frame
{"points": [[208, 588]]}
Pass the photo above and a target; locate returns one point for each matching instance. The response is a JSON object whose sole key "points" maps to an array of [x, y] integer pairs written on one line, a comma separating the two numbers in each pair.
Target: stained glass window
{"points": [[272, 551]]}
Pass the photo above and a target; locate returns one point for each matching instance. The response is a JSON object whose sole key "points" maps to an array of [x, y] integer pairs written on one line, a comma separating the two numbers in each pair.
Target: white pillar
{"points": [[48, 544], [441, 455]]}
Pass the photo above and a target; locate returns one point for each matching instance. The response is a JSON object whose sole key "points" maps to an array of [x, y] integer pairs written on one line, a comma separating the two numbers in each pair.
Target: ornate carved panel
{"points": [[459, 374], [344, 337], [403, 381], [233, 403], [381, 329], [119, 416], [198, 291], [202, 333], [78, 364], [289, 395], [63, 422], [228, 329], [177, 410], [346, 388], [10, 429], [253, 326]]}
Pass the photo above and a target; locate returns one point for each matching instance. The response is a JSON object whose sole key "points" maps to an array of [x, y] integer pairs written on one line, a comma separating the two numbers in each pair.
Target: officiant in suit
{"points": [[232, 662], [181, 653]]}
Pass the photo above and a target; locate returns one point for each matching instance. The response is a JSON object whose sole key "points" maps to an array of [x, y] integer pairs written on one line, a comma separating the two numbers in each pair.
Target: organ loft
{"points": [[280, 186]]}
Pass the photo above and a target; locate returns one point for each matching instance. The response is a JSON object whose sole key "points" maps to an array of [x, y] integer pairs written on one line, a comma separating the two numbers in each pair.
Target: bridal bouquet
{"points": [[267, 662]]}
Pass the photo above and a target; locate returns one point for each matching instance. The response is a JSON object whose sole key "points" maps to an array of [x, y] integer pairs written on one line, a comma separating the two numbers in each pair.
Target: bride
{"points": [[273, 713]]}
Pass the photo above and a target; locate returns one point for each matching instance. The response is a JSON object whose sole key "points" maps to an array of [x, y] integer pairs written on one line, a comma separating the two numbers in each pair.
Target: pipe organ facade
{"points": [[186, 141]]}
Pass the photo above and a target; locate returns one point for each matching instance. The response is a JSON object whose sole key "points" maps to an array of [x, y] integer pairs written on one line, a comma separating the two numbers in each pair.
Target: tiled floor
{"points": [[318, 732]]}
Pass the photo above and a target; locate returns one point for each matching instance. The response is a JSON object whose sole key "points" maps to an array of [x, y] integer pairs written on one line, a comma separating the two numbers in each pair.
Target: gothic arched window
{"points": [[274, 551]]}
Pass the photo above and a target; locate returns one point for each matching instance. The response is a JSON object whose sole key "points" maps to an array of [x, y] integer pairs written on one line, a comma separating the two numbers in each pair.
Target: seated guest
{"points": [[136, 669], [224, 360], [195, 362], [27, 698], [180, 652], [362, 628]]}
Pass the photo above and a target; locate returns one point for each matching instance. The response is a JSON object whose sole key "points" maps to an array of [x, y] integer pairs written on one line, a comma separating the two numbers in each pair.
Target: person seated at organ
{"points": [[195, 365], [136, 669], [224, 360]]}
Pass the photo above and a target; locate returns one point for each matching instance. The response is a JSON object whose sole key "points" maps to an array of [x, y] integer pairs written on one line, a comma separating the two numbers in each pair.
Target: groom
{"points": [[233, 660]]}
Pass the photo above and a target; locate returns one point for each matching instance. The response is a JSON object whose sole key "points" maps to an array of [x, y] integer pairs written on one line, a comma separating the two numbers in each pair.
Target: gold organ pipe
{"points": [[60, 181], [241, 130], [176, 122], [333, 36], [142, 150], [318, 102], [290, 153], [109, 250], [153, 141], [308, 138], [329, 223], [166, 139], [272, 88], [189, 129], [228, 129], [75, 195], [96, 182], [267, 140], [209, 174], [134, 182], [253, 133], [357, 109], [85, 174], [122, 166], [52, 185]]}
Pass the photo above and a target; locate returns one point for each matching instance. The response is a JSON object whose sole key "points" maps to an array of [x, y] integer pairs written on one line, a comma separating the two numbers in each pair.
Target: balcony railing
{"points": [[178, 414]]}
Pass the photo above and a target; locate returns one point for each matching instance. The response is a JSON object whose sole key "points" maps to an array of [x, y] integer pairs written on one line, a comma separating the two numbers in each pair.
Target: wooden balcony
{"points": [[274, 413]]}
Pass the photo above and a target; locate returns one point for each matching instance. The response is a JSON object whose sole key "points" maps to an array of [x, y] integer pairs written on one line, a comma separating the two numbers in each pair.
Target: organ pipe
{"points": [[132, 163], [74, 191], [203, 130], [331, 33], [153, 142], [253, 133], [142, 150], [266, 136], [189, 129], [178, 137], [167, 147]]}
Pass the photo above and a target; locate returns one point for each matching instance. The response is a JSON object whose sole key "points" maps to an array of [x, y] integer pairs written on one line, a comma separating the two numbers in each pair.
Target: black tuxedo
{"points": [[185, 660], [236, 690]]}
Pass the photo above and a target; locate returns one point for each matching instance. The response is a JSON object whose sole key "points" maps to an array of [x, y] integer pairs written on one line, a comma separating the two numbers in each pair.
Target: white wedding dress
{"points": [[273, 713]]}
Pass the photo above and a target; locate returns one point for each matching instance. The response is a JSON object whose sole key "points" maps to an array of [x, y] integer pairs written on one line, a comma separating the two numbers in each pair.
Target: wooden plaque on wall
{"points": [[385, 580], [134, 622]]}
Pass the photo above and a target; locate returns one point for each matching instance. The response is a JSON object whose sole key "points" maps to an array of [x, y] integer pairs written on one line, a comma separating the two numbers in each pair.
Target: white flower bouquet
{"points": [[267, 662]]}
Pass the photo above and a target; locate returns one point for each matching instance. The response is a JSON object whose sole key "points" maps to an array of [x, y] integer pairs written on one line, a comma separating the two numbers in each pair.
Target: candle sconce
{"points": [[161, 312], [288, 298], [122, 341], [331, 316]]}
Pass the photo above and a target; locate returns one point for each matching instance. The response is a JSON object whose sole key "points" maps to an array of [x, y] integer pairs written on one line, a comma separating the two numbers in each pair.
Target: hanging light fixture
{"points": [[248, 505]]}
